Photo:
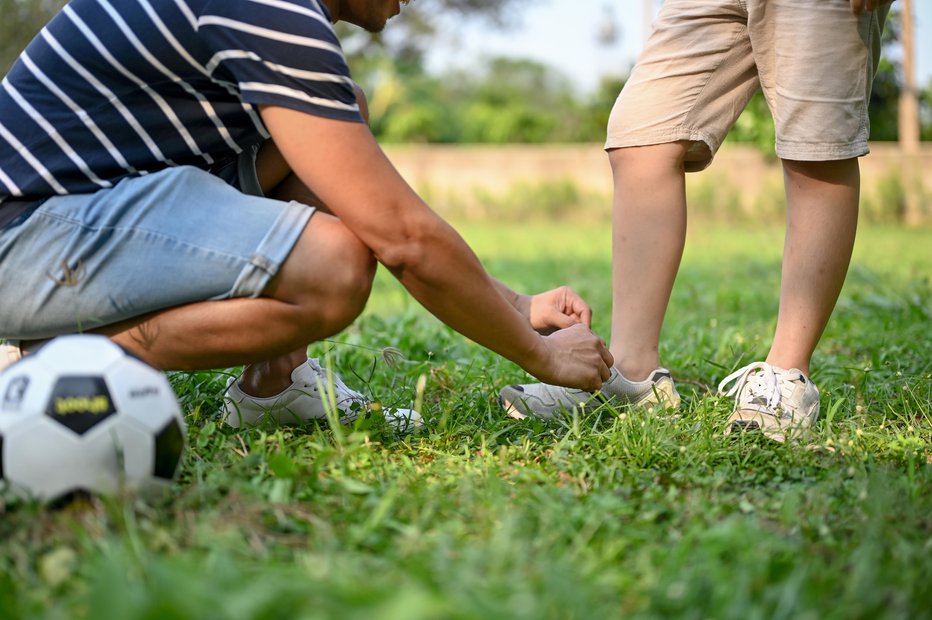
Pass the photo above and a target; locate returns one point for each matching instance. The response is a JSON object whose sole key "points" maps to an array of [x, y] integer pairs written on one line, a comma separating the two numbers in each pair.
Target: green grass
{"points": [[612, 514]]}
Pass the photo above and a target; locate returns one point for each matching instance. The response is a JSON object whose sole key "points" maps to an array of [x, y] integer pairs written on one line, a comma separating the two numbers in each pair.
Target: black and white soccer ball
{"points": [[82, 415]]}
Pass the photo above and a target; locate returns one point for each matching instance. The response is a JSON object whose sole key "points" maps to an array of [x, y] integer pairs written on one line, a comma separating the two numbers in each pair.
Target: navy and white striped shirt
{"points": [[116, 88]]}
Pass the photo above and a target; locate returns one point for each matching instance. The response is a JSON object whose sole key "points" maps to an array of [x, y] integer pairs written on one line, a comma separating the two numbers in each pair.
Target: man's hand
{"points": [[859, 6], [556, 309], [576, 357]]}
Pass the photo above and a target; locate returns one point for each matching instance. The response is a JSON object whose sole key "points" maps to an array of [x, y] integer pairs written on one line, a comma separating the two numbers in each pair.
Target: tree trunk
{"points": [[908, 121], [909, 100]]}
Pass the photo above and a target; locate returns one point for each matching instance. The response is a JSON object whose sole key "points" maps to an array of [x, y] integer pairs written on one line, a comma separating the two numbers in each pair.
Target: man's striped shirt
{"points": [[116, 88]]}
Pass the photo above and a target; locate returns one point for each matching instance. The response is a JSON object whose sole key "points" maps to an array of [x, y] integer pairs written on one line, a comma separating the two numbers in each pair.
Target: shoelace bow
{"points": [[762, 384]]}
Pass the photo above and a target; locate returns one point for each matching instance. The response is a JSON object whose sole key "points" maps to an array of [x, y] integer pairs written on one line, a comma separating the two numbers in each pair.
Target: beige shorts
{"points": [[814, 60]]}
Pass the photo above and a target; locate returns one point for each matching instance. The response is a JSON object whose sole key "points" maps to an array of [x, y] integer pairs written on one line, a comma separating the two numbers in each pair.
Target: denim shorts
{"points": [[179, 236]]}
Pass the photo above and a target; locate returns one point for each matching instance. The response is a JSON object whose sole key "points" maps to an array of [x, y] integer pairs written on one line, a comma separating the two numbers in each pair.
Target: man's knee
{"points": [[327, 277], [353, 275]]}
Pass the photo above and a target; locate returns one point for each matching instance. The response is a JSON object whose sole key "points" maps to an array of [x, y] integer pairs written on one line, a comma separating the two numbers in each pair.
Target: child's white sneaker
{"points": [[782, 404], [542, 400]]}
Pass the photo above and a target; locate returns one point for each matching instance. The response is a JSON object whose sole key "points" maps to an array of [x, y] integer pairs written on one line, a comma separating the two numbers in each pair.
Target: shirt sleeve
{"points": [[279, 52]]}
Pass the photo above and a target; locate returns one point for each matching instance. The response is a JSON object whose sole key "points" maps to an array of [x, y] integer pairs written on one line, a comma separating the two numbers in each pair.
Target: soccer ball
{"points": [[82, 415]]}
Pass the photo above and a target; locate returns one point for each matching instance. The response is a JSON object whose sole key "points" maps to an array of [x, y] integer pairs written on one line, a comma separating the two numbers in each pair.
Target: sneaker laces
{"points": [[340, 389], [762, 385]]}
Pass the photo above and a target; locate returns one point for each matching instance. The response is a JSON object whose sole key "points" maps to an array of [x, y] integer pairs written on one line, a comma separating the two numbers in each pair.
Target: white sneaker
{"points": [[544, 401], [306, 399], [9, 354], [782, 404]]}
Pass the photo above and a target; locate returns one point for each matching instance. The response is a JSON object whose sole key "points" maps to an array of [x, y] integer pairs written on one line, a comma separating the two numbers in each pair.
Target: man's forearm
{"points": [[521, 303], [454, 287], [355, 179]]}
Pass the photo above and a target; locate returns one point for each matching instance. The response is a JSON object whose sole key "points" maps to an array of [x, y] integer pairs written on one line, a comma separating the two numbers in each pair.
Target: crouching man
{"points": [[158, 167]]}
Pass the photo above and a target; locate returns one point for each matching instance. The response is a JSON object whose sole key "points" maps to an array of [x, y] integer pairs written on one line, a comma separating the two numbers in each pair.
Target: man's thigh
{"points": [[179, 236]]}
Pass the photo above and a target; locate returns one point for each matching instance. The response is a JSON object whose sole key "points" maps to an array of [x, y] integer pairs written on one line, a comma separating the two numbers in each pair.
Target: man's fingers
{"points": [[577, 367], [605, 368], [577, 305], [563, 321], [607, 357]]}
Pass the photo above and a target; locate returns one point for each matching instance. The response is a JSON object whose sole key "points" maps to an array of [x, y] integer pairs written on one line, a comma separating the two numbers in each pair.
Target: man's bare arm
{"points": [[342, 163]]}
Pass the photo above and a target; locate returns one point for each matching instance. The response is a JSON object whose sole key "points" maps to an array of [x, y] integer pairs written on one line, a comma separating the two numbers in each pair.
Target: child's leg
{"points": [[689, 85], [649, 231], [822, 203], [816, 69]]}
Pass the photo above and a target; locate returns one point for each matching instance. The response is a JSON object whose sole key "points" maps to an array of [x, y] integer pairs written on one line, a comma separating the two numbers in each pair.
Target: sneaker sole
{"points": [[662, 394], [746, 421], [512, 409]]}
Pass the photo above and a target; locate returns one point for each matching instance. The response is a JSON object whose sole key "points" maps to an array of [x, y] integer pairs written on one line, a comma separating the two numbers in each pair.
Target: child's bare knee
{"points": [[839, 172], [667, 155]]}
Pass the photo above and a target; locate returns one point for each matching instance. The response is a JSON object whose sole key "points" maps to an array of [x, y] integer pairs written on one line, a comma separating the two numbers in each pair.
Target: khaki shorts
{"points": [[814, 60]]}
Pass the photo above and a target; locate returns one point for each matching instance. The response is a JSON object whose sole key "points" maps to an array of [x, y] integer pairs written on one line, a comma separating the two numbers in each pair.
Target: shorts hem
{"points": [[272, 251], [823, 152], [634, 138]]}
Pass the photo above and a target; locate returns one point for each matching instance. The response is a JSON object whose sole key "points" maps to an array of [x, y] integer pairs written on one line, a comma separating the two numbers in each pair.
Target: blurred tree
{"points": [[885, 91], [501, 100], [515, 100], [511, 100], [407, 38], [20, 20], [597, 108], [925, 113], [412, 108], [406, 104], [908, 128]]}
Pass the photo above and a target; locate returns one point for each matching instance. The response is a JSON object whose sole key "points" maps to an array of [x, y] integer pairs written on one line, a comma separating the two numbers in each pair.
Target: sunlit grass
{"points": [[611, 514]]}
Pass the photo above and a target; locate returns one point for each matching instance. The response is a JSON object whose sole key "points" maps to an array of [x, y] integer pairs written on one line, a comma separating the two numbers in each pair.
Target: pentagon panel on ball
{"points": [[82, 415]]}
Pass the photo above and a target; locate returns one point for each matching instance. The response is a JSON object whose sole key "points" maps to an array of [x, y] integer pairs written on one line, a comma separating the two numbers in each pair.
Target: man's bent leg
{"points": [[321, 288], [270, 377], [822, 215], [169, 239]]}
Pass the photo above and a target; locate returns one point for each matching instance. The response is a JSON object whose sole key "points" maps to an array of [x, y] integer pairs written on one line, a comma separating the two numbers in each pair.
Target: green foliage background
{"points": [[504, 100]]}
